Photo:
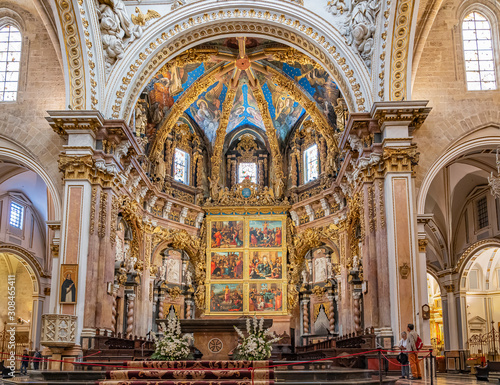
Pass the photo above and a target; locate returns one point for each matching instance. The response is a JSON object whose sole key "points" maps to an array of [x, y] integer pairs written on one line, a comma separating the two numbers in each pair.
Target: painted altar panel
{"points": [[246, 264]]}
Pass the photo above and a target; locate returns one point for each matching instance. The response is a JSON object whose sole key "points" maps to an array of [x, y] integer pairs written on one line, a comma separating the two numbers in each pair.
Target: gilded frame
{"points": [[247, 251]]}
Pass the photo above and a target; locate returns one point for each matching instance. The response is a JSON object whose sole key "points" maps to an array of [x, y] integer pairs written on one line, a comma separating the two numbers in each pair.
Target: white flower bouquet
{"points": [[257, 345], [171, 346]]}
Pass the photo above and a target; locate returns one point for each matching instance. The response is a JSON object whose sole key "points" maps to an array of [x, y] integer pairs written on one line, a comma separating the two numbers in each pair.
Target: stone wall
{"points": [[41, 88], [440, 78]]}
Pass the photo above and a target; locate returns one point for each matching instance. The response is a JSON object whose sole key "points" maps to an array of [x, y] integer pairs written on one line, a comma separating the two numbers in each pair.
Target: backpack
{"points": [[419, 344]]}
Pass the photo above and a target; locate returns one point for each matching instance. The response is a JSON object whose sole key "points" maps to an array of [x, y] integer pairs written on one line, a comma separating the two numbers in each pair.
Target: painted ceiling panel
{"points": [[245, 110], [206, 110]]}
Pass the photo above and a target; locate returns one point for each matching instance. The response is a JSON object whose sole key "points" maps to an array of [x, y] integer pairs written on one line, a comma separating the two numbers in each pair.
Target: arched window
{"points": [[311, 165], [10, 57], [247, 170], [181, 166], [478, 52]]}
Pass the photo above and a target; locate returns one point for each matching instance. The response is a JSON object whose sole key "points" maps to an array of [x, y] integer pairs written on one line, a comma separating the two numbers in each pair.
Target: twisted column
{"points": [[114, 312], [331, 315], [130, 313], [189, 308], [357, 311], [305, 317], [161, 309]]}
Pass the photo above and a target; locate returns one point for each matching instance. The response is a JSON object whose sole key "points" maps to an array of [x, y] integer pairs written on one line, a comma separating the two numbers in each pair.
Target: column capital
{"points": [[411, 113]]}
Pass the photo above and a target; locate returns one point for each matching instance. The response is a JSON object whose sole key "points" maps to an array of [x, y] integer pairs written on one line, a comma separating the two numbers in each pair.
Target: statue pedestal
{"points": [[216, 338]]}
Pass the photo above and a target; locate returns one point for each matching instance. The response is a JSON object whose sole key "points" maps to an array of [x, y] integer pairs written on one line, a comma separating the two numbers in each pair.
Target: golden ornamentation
{"points": [[217, 155], [115, 206], [92, 209], [472, 249], [83, 168], [279, 176], [400, 159], [130, 211], [342, 114], [400, 46], [101, 230], [190, 56], [346, 81], [290, 56], [404, 270], [422, 245], [141, 18], [174, 292], [450, 288], [259, 196], [246, 148], [371, 208], [76, 70], [381, 203], [318, 291]]}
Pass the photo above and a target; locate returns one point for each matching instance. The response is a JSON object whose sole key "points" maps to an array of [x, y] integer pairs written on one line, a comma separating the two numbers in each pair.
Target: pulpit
{"points": [[215, 338]]}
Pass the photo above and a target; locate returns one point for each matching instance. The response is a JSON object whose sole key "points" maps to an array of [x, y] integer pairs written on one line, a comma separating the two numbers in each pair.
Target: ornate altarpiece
{"points": [[246, 263]]}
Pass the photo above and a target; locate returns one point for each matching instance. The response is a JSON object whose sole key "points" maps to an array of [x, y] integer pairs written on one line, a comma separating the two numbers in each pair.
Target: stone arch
{"points": [[29, 261], [471, 140], [194, 24], [16, 153], [471, 251]]}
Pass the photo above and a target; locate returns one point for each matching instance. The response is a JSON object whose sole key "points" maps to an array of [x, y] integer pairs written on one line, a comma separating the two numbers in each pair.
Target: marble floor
{"points": [[446, 379]]}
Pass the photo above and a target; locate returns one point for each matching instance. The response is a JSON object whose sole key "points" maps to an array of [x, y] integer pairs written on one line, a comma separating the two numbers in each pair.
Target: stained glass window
{"points": [[478, 53], [16, 215], [181, 166], [10, 56], [311, 165], [247, 170]]}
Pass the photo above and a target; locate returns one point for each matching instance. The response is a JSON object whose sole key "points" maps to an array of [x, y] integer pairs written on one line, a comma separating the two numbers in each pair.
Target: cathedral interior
{"points": [[328, 165]]}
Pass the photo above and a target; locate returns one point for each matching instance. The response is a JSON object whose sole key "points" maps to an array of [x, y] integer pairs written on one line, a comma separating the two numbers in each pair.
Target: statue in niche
{"points": [[141, 120], [117, 30], [355, 263], [320, 269], [188, 278], [120, 243], [162, 271], [173, 270]]}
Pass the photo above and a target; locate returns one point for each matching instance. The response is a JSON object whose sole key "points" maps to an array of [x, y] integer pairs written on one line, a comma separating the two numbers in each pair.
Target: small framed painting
{"points": [[69, 283]]}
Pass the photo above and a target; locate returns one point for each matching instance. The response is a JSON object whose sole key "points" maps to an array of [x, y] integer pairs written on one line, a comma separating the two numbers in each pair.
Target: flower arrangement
{"points": [[171, 346], [257, 346]]}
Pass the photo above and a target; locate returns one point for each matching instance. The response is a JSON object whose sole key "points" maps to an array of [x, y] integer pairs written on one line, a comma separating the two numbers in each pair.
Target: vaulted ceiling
{"points": [[246, 65]]}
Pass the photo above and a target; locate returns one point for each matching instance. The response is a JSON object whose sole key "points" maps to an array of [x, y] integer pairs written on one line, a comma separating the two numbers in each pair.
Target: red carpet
{"points": [[191, 373]]}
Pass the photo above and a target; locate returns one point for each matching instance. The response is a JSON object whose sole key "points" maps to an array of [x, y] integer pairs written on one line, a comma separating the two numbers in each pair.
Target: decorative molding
{"points": [[103, 209], [400, 48], [422, 245], [192, 32], [76, 71], [404, 270]]}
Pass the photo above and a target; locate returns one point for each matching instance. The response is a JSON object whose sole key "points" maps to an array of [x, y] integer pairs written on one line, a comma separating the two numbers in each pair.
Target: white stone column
{"points": [[36, 320], [423, 326]]}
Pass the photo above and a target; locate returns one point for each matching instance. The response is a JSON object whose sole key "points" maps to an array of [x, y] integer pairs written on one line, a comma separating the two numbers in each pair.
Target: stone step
{"points": [[323, 375], [371, 381], [31, 381]]}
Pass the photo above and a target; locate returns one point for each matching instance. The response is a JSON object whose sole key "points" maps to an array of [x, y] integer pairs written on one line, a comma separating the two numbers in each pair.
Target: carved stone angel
{"points": [[117, 30]]}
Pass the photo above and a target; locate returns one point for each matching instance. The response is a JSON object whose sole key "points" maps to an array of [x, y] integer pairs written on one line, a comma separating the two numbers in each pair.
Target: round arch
{"points": [[196, 23], [471, 251], [459, 147], [29, 262], [13, 151]]}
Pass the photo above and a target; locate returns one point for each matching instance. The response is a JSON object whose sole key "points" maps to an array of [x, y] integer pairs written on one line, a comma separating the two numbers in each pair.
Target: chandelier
{"points": [[494, 181]]}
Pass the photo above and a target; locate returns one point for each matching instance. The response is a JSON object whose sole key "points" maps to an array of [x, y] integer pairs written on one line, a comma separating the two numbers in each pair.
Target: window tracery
{"points": [[10, 58], [478, 52], [247, 170], [311, 164], [181, 166]]}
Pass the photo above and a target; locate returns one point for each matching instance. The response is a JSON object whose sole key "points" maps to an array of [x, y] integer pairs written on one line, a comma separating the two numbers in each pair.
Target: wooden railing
{"points": [[365, 340]]}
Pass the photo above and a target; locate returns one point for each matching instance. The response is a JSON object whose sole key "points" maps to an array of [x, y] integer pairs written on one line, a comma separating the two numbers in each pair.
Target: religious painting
{"points": [[318, 84], [227, 234], [265, 296], [206, 111], [265, 265], [245, 110], [265, 233], [226, 265], [69, 283], [226, 297], [283, 109]]}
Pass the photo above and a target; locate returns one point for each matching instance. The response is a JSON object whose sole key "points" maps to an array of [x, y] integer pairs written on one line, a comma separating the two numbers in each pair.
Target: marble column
{"points": [[423, 325], [399, 157]]}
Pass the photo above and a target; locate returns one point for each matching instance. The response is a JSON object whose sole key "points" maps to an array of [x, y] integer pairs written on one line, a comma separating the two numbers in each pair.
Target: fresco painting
{"points": [[283, 109], [226, 297], [245, 110], [206, 111], [318, 84]]}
